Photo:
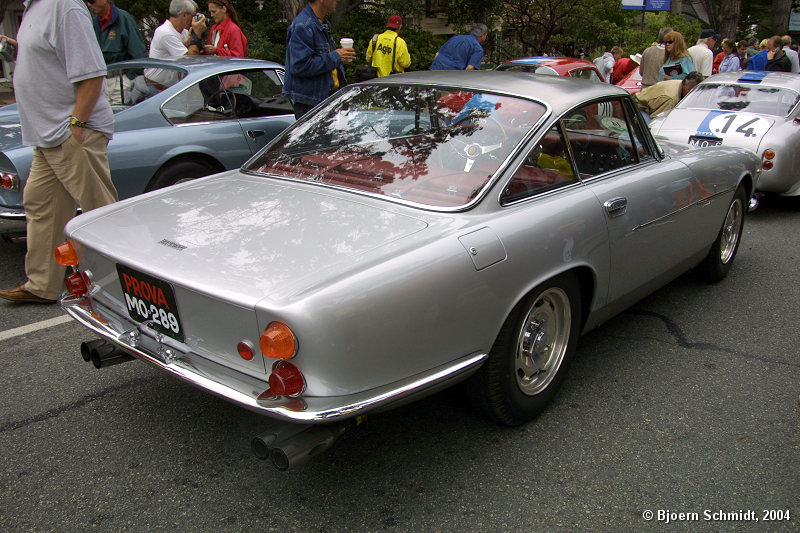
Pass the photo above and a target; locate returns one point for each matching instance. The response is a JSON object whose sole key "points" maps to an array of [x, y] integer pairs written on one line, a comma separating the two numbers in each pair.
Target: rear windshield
{"points": [[774, 101], [431, 146]]}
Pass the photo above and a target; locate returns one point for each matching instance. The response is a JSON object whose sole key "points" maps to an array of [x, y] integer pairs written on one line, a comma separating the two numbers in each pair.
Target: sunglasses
{"points": [[668, 42]]}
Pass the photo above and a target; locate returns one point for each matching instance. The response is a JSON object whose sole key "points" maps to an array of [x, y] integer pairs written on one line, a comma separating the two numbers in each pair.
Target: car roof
{"points": [[197, 63], [560, 92], [786, 80], [551, 61]]}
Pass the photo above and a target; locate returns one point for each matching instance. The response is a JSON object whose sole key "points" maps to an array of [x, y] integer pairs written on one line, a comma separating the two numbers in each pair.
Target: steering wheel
{"points": [[481, 137], [231, 98]]}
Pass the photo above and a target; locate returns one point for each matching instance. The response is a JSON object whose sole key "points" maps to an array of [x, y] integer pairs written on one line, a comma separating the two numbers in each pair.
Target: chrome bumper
{"points": [[243, 389]]}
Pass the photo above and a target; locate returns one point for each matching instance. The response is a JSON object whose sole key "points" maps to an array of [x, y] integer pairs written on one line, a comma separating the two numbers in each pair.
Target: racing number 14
{"points": [[743, 129]]}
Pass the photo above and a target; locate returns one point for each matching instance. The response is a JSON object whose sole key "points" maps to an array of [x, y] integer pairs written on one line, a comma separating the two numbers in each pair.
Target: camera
{"points": [[198, 16]]}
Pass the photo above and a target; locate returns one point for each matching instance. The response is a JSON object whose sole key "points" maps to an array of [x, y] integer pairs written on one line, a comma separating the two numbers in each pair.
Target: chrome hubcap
{"points": [[542, 341], [731, 231]]}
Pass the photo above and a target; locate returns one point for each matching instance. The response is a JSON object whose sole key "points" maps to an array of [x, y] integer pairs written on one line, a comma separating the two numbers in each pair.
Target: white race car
{"points": [[754, 110]]}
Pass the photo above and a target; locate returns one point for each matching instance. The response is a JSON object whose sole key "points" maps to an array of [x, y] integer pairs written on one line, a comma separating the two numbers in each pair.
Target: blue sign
{"points": [[647, 5]]}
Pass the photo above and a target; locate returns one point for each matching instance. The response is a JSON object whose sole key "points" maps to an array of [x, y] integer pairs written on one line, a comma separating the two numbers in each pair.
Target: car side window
{"points": [[637, 128], [206, 101], [600, 138], [546, 167], [257, 93], [128, 86], [585, 74]]}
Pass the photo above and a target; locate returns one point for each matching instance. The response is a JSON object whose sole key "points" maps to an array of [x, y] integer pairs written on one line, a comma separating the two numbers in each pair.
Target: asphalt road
{"points": [[686, 403]]}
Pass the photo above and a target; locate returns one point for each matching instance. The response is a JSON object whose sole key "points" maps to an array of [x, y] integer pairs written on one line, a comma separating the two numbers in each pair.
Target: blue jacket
{"points": [[758, 61], [458, 52], [310, 57]]}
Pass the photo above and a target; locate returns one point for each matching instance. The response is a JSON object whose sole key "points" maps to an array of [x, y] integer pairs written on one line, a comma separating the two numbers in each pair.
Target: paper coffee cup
{"points": [[346, 42]]}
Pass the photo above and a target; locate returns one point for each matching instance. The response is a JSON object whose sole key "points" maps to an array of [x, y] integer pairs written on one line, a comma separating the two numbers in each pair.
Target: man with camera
{"points": [[179, 35]]}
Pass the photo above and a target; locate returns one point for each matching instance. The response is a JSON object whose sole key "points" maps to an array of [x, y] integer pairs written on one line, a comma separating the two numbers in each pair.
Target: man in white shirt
{"points": [[791, 53], [702, 53], [174, 38]]}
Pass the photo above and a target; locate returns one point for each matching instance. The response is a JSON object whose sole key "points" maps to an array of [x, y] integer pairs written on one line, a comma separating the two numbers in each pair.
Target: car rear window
{"points": [[435, 147], [776, 101]]}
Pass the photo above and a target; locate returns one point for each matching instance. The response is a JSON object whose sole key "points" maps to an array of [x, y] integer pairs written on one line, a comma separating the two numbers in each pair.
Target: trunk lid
{"points": [[243, 238]]}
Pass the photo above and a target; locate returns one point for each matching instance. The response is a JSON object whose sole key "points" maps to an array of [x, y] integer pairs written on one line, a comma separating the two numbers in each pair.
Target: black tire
{"points": [[512, 387], [179, 171], [719, 260]]}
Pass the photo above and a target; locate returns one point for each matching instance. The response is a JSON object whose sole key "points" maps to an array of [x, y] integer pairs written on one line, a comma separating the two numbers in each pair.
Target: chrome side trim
{"points": [[244, 389], [9, 213], [700, 203]]}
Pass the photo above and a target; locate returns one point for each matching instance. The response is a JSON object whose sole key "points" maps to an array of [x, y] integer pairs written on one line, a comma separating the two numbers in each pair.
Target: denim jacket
{"points": [[310, 57]]}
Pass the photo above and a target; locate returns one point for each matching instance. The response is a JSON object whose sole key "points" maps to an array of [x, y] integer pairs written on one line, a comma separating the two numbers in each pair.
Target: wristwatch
{"points": [[75, 122]]}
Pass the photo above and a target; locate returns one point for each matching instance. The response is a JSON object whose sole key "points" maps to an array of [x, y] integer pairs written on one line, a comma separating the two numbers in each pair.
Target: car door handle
{"points": [[616, 206], [255, 133]]}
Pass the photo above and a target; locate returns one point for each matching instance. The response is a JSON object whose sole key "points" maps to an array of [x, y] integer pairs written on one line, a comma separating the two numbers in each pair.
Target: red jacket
{"points": [[717, 62], [622, 67], [232, 42]]}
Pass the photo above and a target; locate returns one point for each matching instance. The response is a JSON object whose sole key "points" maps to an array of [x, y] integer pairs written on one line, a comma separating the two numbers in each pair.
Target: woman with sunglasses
{"points": [[226, 37], [677, 61]]}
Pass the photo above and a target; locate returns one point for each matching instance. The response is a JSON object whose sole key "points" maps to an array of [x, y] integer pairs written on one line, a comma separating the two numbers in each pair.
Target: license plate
{"points": [[151, 301], [704, 142]]}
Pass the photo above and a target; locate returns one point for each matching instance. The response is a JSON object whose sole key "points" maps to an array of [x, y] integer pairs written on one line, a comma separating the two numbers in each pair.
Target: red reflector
{"points": [[77, 284], [767, 164], [245, 350], [286, 379]]}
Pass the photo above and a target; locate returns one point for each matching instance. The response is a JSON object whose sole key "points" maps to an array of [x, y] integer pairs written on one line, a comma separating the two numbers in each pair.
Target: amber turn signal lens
{"points": [[769, 154], [65, 254], [278, 342]]}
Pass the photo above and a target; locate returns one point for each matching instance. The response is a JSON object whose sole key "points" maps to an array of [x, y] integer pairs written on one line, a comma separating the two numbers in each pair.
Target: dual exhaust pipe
{"points": [[103, 353], [287, 445]]}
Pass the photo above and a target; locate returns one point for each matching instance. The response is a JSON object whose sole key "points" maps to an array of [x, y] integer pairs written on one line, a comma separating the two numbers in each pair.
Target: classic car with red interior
{"points": [[414, 231]]}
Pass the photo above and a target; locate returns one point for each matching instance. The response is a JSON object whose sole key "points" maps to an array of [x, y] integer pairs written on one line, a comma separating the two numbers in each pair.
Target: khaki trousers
{"points": [[61, 178]]}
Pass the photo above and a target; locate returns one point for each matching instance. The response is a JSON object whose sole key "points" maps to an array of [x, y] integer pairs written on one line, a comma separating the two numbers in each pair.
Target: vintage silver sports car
{"points": [[415, 231], [212, 115], [754, 110]]}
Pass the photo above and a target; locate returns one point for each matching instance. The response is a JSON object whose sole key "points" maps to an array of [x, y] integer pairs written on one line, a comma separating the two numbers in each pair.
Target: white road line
{"points": [[22, 330]]}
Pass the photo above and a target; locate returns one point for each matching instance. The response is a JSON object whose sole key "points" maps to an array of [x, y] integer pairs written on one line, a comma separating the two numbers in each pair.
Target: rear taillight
{"points": [[78, 284], [767, 158], [286, 379], [9, 181]]}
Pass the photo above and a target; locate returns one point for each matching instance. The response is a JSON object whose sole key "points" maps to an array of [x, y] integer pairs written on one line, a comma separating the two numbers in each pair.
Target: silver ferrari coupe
{"points": [[412, 232]]}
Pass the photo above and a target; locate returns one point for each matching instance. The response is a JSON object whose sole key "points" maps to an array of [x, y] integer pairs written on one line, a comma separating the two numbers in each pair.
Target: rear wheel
{"points": [[529, 359], [720, 258], [179, 171]]}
